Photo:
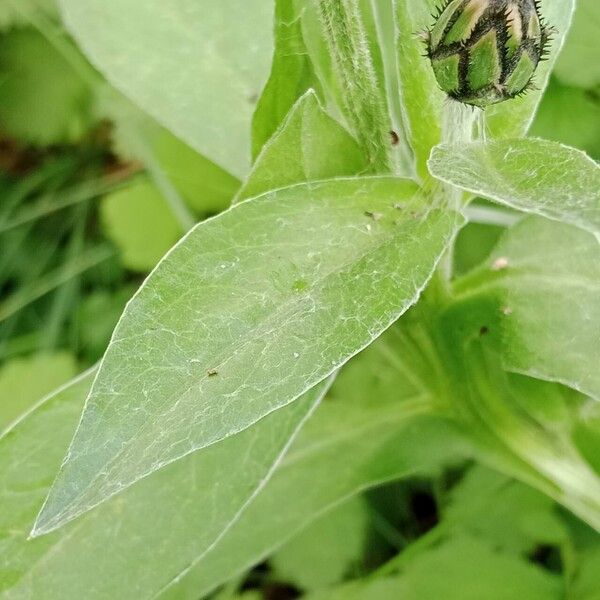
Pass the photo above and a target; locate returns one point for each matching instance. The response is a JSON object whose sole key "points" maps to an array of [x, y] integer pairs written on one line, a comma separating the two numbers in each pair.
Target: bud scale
{"points": [[486, 51]]}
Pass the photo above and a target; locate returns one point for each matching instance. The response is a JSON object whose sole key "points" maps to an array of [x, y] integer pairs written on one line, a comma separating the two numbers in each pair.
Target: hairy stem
{"points": [[346, 37]]}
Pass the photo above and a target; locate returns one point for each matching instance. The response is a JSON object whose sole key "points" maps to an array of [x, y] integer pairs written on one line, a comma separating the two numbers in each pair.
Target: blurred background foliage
{"points": [[93, 192]]}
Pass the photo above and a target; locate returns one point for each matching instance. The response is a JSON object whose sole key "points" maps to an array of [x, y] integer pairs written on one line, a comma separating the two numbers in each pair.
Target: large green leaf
{"points": [[246, 313], [544, 278], [131, 547], [536, 176], [197, 67]]}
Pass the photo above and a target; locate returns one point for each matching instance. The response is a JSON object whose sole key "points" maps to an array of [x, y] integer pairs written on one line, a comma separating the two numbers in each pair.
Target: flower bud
{"points": [[486, 51]]}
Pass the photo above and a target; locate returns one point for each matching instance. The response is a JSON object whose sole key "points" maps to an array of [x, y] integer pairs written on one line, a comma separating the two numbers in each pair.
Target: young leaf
{"points": [[536, 176], [196, 67], [544, 278], [292, 74], [133, 546], [309, 146], [247, 312], [513, 118]]}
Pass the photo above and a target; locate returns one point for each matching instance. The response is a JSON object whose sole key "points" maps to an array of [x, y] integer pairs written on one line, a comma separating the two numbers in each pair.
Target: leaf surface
{"points": [[196, 67], [533, 175], [134, 545]]}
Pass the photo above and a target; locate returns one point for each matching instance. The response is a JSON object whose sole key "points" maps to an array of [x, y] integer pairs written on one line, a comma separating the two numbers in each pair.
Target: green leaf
{"points": [[512, 516], [327, 550], [196, 67], [533, 175], [140, 223], [309, 146], [97, 314], [571, 116], [586, 585], [247, 312], [42, 99], [133, 546], [544, 277], [292, 73], [15, 12], [40, 439], [205, 187], [459, 569], [579, 62], [513, 118], [422, 98], [23, 381]]}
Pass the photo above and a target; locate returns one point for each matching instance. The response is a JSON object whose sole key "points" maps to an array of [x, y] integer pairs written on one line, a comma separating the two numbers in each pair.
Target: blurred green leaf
{"points": [[196, 67], [141, 224], [571, 116], [586, 584], [14, 12], [42, 98], [422, 98], [533, 175], [113, 552], [459, 569], [508, 514], [579, 61], [327, 550], [23, 381]]}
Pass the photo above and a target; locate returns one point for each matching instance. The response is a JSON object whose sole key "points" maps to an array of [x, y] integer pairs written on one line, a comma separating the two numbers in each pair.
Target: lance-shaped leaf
{"points": [[292, 73], [134, 545], [251, 309], [196, 66], [309, 146], [537, 176]]}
